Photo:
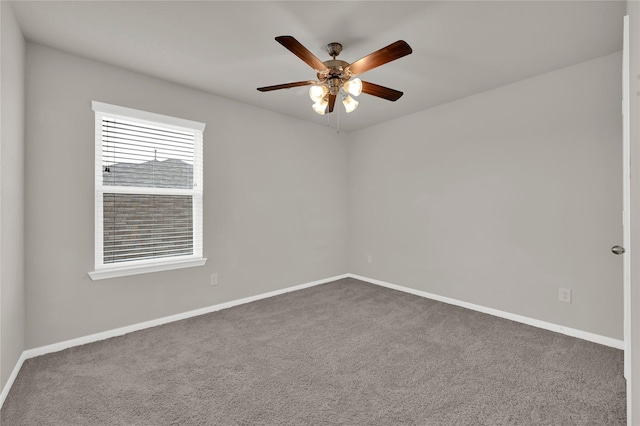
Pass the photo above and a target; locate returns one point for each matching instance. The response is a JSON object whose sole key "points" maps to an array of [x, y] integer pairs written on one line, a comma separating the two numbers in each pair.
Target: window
{"points": [[148, 192]]}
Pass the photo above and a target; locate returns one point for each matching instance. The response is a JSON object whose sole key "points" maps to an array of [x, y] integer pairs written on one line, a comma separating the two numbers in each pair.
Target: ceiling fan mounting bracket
{"points": [[334, 49]]}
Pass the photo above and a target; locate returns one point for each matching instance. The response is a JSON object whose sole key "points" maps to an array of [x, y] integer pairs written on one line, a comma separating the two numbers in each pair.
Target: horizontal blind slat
{"points": [[133, 141], [154, 129]]}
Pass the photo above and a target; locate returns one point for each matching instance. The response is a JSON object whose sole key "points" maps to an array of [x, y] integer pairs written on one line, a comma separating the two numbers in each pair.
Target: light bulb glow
{"points": [[320, 107], [349, 103], [316, 93], [353, 87]]}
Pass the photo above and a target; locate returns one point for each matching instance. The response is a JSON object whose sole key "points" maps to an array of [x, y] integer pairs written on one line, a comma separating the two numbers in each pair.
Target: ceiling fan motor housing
{"points": [[335, 76]]}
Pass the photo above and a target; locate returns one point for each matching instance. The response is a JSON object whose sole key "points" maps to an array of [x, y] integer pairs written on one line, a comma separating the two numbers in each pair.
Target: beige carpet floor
{"points": [[342, 353]]}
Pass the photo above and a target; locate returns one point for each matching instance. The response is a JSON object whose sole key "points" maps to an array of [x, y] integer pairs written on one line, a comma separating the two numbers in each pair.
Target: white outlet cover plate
{"points": [[564, 295]]}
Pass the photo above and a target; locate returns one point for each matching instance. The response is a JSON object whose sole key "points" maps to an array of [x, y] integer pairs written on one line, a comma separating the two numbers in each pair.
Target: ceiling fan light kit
{"points": [[353, 86], [336, 77], [349, 103], [321, 106], [318, 93]]}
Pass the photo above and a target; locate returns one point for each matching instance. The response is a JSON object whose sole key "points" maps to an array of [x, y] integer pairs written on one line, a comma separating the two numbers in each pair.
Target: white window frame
{"points": [[134, 267]]}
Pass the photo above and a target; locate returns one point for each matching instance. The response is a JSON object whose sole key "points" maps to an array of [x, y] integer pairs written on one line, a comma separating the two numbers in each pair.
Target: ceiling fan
{"points": [[336, 77]]}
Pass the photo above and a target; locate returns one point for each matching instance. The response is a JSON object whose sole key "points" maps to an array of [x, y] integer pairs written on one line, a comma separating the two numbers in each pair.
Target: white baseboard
{"points": [[12, 378], [584, 335], [55, 347]]}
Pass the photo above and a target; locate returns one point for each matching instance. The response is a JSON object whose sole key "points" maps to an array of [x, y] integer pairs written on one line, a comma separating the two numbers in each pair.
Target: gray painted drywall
{"points": [[501, 198], [497, 199], [12, 287], [274, 200]]}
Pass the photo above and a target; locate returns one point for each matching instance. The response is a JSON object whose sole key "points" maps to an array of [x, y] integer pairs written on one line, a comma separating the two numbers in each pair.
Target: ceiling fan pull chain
{"points": [[338, 125]]}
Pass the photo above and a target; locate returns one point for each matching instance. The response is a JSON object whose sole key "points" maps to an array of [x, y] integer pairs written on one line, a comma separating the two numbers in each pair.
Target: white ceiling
{"points": [[228, 48]]}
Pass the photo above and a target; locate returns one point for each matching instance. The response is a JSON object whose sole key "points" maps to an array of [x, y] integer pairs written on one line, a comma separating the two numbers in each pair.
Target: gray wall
{"points": [[497, 199], [12, 290], [274, 203], [501, 198]]}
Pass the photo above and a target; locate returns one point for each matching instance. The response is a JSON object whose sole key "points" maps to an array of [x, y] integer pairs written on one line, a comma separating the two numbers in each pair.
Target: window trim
{"points": [[133, 267], [122, 271]]}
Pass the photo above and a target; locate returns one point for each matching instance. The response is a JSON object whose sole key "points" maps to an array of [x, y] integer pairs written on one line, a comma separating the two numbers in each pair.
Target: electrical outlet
{"points": [[369, 259], [214, 279], [564, 295]]}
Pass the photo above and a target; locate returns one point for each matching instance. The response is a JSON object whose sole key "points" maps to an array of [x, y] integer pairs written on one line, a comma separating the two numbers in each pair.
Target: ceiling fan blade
{"points": [[287, 85], [381, 91], [302, 52], [332, 102], [380, 57]]}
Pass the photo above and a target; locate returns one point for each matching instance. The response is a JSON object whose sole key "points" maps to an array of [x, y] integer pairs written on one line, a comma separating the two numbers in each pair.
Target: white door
{"points": [[626, 203]]}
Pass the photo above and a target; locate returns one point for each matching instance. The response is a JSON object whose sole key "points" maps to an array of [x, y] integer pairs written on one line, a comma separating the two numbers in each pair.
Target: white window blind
{"points": [[148, 188]]}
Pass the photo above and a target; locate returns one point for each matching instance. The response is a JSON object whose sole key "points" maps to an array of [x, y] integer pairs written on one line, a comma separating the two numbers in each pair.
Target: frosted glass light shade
{"points": [[320, 107], [354, 86], [316, 93], [349, 104]]}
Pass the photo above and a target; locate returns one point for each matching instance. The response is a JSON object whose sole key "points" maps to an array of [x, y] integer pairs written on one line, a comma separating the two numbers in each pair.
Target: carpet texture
{"points": [[342, 353]]}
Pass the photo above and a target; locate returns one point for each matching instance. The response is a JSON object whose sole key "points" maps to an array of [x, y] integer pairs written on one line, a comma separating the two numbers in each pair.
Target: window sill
{"points": [[102, 274]]}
